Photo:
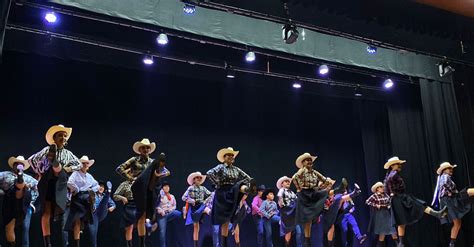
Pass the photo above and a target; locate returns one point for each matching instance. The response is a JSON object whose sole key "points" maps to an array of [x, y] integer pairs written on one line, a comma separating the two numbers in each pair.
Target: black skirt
{"points": [[288, 218], [457, 207], [239, 216], [128, 214], [381, 222], [81, 208], [309, 205], [15, 208], [332, 213], [195, 213], [407, 209], [224, 205], [53, 189]]}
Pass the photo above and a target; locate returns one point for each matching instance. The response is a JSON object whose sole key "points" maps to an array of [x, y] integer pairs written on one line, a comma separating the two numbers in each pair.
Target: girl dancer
{"points": [[287, 203], [381, 220]]}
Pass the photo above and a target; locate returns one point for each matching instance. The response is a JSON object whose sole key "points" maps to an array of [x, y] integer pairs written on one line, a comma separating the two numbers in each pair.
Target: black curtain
{"points": [[4, 10]]}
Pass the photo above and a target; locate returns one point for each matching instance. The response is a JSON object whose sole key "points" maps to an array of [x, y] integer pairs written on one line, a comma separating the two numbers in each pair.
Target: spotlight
{"points": [[250, 56], [162, 39], [189, 9], [230, 72], [388, 84], [357, 92], [148, 60], [445, 69], [371, 49], [296, 85], [289, 33], [323, 69], [50, 17]]}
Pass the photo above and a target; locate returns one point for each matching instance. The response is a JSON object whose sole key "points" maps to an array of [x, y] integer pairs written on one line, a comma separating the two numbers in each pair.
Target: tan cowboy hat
{"points": [[19, 159], [144, 142], [221, 153], [281, 180], [392, 161], [54, 129], [443, 166], [375, 186], [193, 175], [299, 160], [85, 160]]}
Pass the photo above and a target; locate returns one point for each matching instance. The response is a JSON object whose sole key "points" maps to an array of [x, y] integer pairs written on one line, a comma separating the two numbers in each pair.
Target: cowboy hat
{"points": [[55, 129], [392, 161], [19, 159], [281, 180], [261, 187], [443, 166], [221, 153], [144, 142], [266, 192], [194, 175], [85, 160], [375, 186], [299, 160]]}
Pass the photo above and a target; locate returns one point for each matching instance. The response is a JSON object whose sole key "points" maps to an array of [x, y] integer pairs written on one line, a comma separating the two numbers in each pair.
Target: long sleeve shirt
{"points": [[285, 197], [40, 163], [166, 203], [268, 209], [378, 199], [80, 181], [394, 183], [210, 200], [125, 190], [8, 180], [224, 174], [447, 186], [309, 179], [256, 203], [98, 199], [133, 167], [196, 194]]}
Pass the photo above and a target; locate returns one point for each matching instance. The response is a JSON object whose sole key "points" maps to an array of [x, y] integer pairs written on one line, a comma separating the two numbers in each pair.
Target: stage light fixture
{"points": [[289, 33], [50, 17], [388, 83], [323, 69], [162, 39], [230, 72], [371, 49], [357, 91], [148, 60], [250, 56], [189, 8], [296, 85], [445, 69]]}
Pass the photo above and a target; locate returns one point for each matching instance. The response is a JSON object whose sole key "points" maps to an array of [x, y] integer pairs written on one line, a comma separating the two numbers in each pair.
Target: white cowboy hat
{"points": [[54, 129], [299, 160], [144, 142], [85, 160], [392, 161], [19, 159], [194, 175], [375, 186], [221, 153], [281, 180], [443, 166]]}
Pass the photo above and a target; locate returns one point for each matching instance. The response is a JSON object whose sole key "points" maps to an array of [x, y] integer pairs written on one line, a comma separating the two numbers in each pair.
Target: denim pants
{"points": [[26, 227], [267, 226], [163, 222]]}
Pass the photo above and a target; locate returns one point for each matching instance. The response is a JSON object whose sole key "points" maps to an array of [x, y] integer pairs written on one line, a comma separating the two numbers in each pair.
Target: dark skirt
{"points": [[80, 209], [381, 222], [53, 189], [15, 208], [128, 214], [239, 216], [332, 213], [407, 209], [288, 218], [309, 205], [457, 207], [224, 205], [195, 213]]}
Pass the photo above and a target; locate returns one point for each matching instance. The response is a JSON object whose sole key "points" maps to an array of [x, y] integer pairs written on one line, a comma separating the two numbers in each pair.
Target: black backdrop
{"points": [[110, 108]]}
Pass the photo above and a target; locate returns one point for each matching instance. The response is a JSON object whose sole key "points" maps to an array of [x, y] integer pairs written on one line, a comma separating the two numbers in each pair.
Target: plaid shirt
{"points": [[268, 209], [125, 190], [197, 194], [308, 179], [378, 199], [8, 180], [447, 186], [40, 163], [133, 167], [224, 174], [285, 197], [394, 183]]}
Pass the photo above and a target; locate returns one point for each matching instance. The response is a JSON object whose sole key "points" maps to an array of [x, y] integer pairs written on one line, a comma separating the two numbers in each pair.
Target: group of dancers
{"points": [[65, 191]]}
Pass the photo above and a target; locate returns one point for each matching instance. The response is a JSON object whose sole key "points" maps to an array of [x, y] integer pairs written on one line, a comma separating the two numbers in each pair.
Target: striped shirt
{"points": [[40, 163], [285, 197], [309, 179], [133, 167], [224, 174], [447, 186], [197, 194], [125, 190], [378, 199]]}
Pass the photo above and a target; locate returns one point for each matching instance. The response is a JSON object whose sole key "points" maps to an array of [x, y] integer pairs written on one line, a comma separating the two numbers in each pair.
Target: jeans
{"points": [[299, 236], [163, 222], [26, 227], [347, 220], [65, 239], [267, 225], [216, 235], [257, 219]]}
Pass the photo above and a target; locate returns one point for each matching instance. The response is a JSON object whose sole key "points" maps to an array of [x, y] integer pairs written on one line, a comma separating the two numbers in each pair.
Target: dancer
{"points": [[347, 220], [124, 195], [231, 184], [269, 212], [195, 196], [83, 187], [103, 205], [51, 164], [19, 189], [313, 189], [381, 220], [287, 202], [242, 210], [257, 215], [406, 208], [456, 202], [166, 211]]}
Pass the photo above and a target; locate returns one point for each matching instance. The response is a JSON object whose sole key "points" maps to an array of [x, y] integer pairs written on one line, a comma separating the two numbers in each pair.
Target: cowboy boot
{"points": [[380, 243], [362, 239], [129, 243], [307, 242], [452, 243], [224, 241], [47, 241], [109, 187], [342, 187], [142, 241], [287, 243], [11, 244], [196, 243], [77, 243], [51, 155], [400, 242], [439, 214], [237, 244], [330, 243]]}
